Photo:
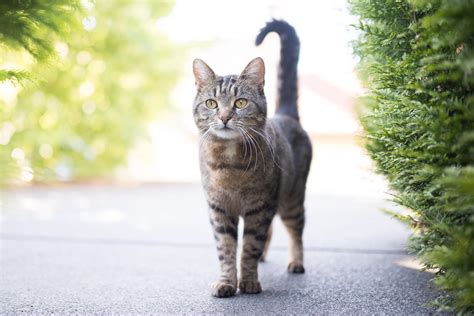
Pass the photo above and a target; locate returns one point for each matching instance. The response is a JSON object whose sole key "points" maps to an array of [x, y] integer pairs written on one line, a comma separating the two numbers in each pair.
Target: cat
{"points": [[252, 167]]}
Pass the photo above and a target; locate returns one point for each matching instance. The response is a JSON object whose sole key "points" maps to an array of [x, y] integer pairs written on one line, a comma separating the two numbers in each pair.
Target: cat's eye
{"points": [[241, 103], [212, 104]]}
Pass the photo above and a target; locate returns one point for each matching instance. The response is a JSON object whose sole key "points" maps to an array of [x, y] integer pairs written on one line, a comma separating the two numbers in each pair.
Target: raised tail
{"points": [[287, 72]]}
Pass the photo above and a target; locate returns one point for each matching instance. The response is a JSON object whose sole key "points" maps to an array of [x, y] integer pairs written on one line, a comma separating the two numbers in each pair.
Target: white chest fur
{"points": [[230, 151]]}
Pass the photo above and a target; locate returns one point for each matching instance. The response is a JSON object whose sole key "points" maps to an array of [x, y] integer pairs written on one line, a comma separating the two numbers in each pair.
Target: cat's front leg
{"points": [[225, 233], [257, 223]]}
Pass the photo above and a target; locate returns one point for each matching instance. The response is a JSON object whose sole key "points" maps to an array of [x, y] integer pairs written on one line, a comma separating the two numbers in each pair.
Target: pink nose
{"points": [[225, 119]]}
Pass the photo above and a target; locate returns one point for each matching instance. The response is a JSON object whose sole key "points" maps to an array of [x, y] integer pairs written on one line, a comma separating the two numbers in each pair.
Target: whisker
{"points": [[261, 151], [270, 144], [244, 143], [206, 134], [252, 146], [250, 149]]}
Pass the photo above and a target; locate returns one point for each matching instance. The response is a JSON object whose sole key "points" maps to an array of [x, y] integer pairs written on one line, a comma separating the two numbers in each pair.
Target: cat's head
{"points": [[224, 106]]}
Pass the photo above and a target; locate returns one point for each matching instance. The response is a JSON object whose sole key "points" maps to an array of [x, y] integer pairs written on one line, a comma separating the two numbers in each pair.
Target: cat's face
{"points": [[226, 107]]}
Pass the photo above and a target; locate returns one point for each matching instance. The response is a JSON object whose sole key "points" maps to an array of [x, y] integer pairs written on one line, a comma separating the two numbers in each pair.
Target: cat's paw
{"points": [[295, 267], [250, 286], [221, 289]]}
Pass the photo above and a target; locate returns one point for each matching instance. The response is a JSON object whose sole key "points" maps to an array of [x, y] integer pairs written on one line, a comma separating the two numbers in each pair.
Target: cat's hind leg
{"points": [[294, 220]]}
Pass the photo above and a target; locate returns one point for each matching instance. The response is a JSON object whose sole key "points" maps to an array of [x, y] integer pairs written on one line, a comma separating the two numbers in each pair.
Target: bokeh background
{"points": [[114, 105], [100, 190]]}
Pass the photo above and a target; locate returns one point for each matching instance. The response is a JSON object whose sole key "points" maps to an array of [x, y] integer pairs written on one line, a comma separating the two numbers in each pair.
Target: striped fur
{"points": [[287, 72], [252, 168]]}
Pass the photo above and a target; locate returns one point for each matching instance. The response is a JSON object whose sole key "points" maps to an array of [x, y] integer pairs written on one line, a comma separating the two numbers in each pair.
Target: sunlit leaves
{"points": [[113, 73]]}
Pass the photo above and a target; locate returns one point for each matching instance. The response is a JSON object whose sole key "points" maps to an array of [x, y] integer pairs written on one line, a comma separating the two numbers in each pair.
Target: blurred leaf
{"points": [[113, 75]]}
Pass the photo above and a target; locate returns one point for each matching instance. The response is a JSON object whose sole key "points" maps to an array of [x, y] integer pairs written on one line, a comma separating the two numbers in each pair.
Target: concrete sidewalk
{"points": [[149, 249]]}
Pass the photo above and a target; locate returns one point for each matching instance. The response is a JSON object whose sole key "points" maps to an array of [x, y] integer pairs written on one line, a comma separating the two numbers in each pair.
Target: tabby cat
{"points": [[252, 167]]}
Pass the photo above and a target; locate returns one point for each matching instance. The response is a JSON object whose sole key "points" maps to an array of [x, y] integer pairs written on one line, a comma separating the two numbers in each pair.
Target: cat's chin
{"points": [[226, 133]]}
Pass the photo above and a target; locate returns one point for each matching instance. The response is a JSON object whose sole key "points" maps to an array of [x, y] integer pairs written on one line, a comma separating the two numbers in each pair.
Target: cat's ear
{"points": [[255, 71], [203, 74]]}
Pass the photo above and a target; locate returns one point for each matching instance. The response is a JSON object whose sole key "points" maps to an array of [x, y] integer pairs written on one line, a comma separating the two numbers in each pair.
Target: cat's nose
{"points": [[225, 120]]}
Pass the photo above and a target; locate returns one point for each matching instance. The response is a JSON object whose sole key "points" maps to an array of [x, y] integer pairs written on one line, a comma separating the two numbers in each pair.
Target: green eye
{"points": [[212, 104], [241, 103]]}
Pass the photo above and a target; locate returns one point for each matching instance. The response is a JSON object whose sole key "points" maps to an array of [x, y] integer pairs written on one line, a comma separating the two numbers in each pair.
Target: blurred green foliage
{"points": [[417, 61], [85, 110], [32, 26]]}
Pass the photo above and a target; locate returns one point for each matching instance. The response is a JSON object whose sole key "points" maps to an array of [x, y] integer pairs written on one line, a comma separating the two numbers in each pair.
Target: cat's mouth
{"points": [[226, 132]]}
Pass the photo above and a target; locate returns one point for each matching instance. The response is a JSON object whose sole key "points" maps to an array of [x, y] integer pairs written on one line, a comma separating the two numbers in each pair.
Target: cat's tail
{"points": [[287, 72]]}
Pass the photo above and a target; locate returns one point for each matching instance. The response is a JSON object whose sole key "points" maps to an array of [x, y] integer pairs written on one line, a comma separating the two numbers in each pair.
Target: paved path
{"points": [[149, 249]]}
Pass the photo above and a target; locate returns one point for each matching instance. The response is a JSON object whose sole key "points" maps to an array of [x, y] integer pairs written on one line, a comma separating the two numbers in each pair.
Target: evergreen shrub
{"points": [[417, 64]]}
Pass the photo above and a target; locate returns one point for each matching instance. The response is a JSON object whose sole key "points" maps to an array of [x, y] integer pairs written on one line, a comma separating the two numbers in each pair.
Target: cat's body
{"points": [[252, 167]]}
